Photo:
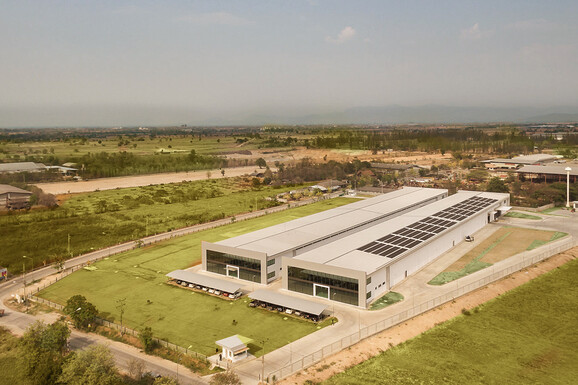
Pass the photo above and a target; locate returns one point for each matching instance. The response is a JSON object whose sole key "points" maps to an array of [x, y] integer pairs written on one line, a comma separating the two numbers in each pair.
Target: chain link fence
{"points": [[528, 258]]}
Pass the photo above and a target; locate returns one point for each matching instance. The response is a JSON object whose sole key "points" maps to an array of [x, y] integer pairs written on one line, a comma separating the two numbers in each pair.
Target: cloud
{"points": [[215, 18], [472, 33], [345, 35]]}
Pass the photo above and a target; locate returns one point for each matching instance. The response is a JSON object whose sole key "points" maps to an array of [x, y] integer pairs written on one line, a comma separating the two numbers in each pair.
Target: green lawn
{"points": [[178, 315], [526, 336], [514, 214]]}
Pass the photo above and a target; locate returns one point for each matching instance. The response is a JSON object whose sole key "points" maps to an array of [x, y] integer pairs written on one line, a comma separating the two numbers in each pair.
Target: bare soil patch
{"points": [[378, 343]]}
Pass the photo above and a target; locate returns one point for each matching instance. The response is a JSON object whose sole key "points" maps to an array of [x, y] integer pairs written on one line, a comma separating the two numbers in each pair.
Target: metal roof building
{"points": [[551, 172], [288, 302], [257, 256], [21, 167], [357, 269], [517, 161]]}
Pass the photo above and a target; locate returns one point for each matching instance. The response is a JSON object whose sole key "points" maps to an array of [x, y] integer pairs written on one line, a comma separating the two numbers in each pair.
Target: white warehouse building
{"points": [[257, 256], [357, 269]]}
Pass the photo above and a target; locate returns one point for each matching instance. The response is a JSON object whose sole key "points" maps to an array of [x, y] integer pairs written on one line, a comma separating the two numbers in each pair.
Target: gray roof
{"points": [[203, 280], [553, 169], [6, 188], [21, 166], [344, 252], [287, 301], [524, 159], [310, 229], [232, 343]]}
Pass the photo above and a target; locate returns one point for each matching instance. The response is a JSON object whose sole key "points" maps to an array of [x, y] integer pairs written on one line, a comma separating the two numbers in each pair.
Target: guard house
{"points": [[359, 269], [257, 256], [234, 349]]}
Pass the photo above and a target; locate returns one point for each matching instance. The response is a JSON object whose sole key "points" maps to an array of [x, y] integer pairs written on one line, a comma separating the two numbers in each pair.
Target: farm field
{"points": [[526, 336], [104, 218], [504, 243], [178, 315]]}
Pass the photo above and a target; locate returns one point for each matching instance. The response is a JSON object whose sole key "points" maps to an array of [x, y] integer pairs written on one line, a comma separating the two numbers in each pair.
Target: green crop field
{"points": [[100, 219], [526, 336], [179, 315]]}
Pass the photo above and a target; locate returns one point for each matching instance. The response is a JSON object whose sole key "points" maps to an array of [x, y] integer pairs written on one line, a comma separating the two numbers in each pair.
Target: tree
{"points": [[93, 366], [261, 163], [225, 378], [165, 381], [256, 183], [82, 312], [223, 172], [44, 348], [136, 369], [497, 185], [146, 338], [120, 306]]}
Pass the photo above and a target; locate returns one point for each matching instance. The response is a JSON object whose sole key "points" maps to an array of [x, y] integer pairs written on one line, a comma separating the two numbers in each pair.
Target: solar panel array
{"points": [[402, 240]]}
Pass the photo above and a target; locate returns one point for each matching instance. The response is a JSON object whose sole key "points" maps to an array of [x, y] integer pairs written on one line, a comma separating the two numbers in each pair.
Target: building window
{"points": [[249, 269], [270, 275], [368, 295], [271, 262], [342, 289], [368, 281]]}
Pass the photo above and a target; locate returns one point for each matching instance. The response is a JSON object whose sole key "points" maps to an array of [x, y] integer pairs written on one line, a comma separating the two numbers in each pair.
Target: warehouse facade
{"points": [[360, 268], [257, 256]]}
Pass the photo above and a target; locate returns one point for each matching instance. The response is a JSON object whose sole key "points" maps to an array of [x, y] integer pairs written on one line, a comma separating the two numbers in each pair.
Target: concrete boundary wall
{"points": [[528, 258]]}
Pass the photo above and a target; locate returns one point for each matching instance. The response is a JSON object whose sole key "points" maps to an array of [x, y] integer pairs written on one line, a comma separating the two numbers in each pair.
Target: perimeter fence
{"points": [[125, 330], [528, 259]]}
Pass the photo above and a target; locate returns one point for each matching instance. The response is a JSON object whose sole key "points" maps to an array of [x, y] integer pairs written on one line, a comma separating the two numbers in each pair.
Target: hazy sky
{"points": [[282, 56]]}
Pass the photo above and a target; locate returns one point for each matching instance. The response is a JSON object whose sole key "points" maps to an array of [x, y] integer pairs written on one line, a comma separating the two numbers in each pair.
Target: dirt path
{"points": [[378, 343]]}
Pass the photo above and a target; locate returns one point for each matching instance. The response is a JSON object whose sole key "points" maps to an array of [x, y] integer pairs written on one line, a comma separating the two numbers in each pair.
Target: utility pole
{"points": [[24, 281], [568, 169]]}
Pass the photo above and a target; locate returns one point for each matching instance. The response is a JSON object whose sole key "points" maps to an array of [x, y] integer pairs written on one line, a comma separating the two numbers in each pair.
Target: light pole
{"points": [[568, 169], [24, 279]]}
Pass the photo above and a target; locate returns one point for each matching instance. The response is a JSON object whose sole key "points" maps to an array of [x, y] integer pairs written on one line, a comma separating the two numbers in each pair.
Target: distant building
{"points": [[13, 197], [550, 173], [518, 161], [10, 168]]}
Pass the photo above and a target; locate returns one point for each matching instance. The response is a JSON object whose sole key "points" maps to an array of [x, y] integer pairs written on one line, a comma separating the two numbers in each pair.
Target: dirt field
{"points": [[271, 157], [506, 242], [374, 345]]}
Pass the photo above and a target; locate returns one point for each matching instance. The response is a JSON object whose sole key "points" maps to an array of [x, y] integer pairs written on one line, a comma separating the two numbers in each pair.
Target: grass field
{"points": [[504, 243], [515, 214], [99, 219], [526, 336], [142, 146], [178, 315]]}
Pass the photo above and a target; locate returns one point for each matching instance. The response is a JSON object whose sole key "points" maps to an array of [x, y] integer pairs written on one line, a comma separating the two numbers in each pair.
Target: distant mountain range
{"points": [[424, 114], [110, 116]]}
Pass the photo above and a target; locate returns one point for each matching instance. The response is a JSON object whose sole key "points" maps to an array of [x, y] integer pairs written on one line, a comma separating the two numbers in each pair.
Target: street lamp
{"points": [[568, 169]]}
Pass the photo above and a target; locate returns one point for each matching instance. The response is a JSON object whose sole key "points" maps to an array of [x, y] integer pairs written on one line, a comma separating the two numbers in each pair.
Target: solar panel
{"points": [[396, 243]]}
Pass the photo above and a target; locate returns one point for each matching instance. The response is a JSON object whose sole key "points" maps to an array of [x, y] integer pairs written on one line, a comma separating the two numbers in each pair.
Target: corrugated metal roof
{"points": [[287, 301], [300, 232], [21, 166], [203, 280], [344, 252], [6, 188], [557, 169]]}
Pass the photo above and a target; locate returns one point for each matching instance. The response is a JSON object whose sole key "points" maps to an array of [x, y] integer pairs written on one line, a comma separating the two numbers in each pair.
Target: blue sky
{"points": [[221, 57]]}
